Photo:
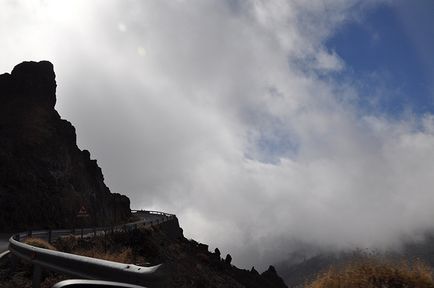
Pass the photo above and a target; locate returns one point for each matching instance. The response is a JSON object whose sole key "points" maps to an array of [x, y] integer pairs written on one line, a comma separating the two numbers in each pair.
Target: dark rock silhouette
{"points": [[272, 277], [217, 253], [253, 271], [189, 265], [228, 259], [44, 177]]}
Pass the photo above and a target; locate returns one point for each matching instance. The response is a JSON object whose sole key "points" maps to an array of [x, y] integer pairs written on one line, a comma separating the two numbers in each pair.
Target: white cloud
{"points": [[225, 121], [328, 61]]}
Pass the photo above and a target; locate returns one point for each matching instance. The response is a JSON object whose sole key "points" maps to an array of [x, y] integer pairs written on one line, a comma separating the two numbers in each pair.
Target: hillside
{"points": [[44, 177], [297, 273], [186, 263]]}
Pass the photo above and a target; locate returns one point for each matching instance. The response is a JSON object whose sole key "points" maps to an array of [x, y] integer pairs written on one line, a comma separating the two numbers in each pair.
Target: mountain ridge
{"points": [[44, 177]]}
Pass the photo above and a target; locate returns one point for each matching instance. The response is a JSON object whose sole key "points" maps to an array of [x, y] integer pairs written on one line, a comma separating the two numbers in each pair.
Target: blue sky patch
{"points": [[389, 56]]}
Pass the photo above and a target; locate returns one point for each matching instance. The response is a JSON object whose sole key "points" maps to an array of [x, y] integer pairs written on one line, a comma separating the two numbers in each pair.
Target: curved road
{"points": [[84, 267], [4, 237]]}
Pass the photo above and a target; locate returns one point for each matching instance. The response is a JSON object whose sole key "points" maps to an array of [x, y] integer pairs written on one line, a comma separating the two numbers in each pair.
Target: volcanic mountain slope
{"points": [[44, 177], [186, 263]]}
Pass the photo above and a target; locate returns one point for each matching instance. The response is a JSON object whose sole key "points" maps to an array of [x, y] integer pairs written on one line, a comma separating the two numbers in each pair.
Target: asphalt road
{"points": [[4, 237]]}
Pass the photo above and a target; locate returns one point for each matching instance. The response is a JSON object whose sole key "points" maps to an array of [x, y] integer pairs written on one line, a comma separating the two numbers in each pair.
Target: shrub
{"points": [[373, 273], [37, 242], [125, 255]]}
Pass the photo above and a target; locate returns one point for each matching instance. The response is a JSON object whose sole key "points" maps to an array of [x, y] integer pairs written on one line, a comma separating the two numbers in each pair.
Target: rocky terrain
{"points": [[187, 263], [44, 177]]}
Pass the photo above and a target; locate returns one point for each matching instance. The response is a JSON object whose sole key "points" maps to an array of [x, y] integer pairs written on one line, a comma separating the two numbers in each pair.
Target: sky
{"points": [[266, 126]]}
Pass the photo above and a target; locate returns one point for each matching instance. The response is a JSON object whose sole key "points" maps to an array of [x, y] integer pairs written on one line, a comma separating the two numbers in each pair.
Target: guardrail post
{"points": [[36, 282], [49, 236], [29, 233], [81, 233], [14, 262], [105, 240], [94, 231]]}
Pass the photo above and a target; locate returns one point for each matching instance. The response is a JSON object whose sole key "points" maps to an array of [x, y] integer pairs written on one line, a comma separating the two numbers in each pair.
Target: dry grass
{"points": [[97, 248], [125, 255], [373, 273], [38, 242]]}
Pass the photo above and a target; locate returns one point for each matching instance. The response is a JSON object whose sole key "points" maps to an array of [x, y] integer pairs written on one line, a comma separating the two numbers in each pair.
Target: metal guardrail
{"points": [[80, 283], [4, 254], [87, 267], [154, 212]]}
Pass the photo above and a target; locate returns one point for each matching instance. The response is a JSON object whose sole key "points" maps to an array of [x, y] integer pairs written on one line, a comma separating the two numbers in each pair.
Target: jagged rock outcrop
{"points": [[272, 277], [44, 177]]}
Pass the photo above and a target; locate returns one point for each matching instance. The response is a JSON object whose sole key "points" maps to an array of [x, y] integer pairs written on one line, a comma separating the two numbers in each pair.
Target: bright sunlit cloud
{"points": [[230, 114]]}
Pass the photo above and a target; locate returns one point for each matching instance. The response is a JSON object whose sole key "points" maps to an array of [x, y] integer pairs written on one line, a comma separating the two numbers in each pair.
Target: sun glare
{"points": [[55, 11]]}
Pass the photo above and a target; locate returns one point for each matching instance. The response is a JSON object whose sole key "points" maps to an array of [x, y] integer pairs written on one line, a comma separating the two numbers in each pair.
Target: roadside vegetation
{"points": [[149, 246], [37, 242], [371, 272], [100, 247]]}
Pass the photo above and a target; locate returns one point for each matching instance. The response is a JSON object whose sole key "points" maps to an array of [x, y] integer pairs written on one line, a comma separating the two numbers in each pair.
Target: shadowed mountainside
{"points": [[44, 177], [187, 263]]}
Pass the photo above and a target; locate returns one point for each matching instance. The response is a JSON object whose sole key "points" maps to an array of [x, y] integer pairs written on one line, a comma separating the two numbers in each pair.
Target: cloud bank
{"points": [[228, 114]]}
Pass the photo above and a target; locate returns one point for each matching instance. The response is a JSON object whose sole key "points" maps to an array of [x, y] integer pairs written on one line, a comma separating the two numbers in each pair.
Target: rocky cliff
{"points": [[44, 177]]}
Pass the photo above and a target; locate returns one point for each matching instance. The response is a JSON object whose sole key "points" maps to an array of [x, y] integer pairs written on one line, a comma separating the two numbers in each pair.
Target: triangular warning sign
{"points": [[82, 212]]}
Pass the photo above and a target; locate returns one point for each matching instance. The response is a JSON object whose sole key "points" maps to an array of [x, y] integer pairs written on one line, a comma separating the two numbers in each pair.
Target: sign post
{"points": [[82, 213]]}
